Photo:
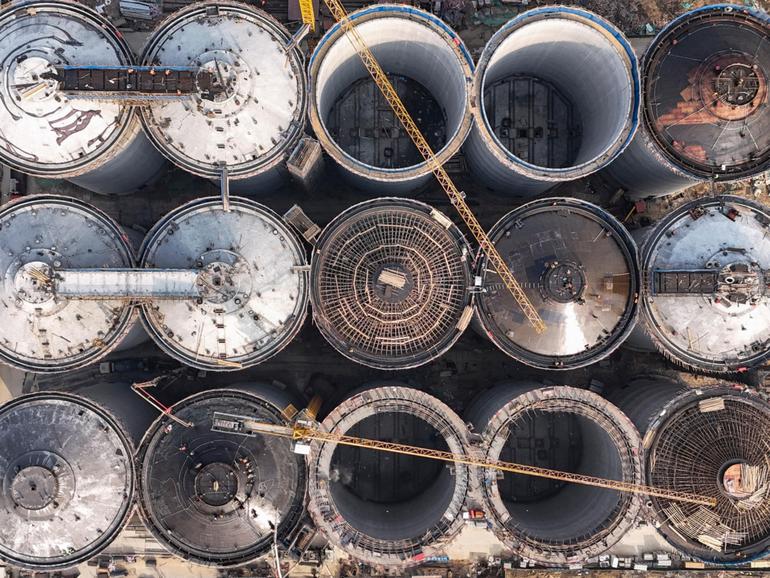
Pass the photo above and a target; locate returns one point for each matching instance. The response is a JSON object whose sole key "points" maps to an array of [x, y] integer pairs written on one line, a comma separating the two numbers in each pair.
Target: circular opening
{"points": [[563, 282], [553, 511], [557, 93], [216, 484], [34, 487], [734, 481], [427, 74], [737, 83], [390, 496]]}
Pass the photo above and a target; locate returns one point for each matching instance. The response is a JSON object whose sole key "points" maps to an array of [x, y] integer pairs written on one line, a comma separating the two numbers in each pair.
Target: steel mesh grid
{"points": [[689, 454], [366, 318]]}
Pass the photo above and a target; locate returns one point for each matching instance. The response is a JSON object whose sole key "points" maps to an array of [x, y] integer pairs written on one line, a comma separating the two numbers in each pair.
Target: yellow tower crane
{"points": [[456, 196], [305, 430]]}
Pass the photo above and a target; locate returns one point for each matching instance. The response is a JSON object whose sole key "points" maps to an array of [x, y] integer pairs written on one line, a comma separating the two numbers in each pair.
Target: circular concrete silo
{"points": [[67, 480], [557, 98], [706, 297], [219, 498], [431, 70], [381, 508], [391, 283], [43, 331], [712, 442], [578, 266], [255, 122], [556, 523], [98, 145], [254, 288], [706, 113]]}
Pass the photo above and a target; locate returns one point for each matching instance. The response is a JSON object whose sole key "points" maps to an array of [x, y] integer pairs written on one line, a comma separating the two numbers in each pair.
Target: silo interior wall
{"points": [[403, 47], [574, 511], [583, 64], [391, 496]]}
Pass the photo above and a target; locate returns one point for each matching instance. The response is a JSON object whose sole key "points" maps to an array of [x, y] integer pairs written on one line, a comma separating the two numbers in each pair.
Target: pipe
{"points": [[411, 44], [556, 95], [706, 111], [387, 509], [563, 428], [97, 145]]}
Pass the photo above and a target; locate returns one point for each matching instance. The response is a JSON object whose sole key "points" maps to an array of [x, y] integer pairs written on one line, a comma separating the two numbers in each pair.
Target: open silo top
{"points": [[578, 266], [391, 283], [707, 284], [431, 70], [553, 522], [214, 496], [41, 331], [43, 132], [260, 113], [384, 508], [706, 92], [713, 443], [557, 90], [253, 279], [67, 480]]}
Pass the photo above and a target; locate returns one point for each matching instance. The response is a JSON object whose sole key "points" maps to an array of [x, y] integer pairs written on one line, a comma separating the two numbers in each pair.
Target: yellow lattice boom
{"points": [[300, 432], [308, 14], [455, 195]]}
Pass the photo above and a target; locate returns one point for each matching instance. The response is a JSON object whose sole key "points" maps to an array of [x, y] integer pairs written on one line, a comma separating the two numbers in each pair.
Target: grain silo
{"points": [[97, 144], [68, 480], [579, 267], [257, 115], [43, 329], [431, 71], [556, 97], [705, 114], [391, 283]]}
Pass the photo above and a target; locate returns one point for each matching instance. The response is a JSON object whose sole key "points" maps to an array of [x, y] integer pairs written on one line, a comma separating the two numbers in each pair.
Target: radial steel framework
{"points": [[714, 443], [391, 283]]}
